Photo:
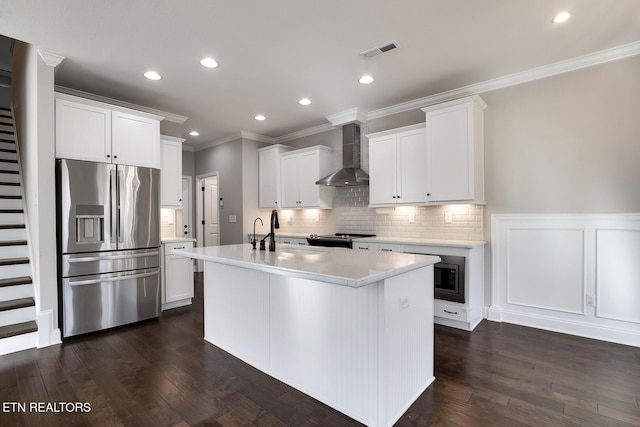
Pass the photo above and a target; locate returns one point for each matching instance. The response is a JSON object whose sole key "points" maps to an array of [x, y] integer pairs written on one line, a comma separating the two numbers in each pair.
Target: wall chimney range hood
{"points": [[350, 175]]}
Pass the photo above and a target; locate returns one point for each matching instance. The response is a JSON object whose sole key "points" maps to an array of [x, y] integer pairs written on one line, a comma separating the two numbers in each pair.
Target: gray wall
{"points": [[226, 160]]}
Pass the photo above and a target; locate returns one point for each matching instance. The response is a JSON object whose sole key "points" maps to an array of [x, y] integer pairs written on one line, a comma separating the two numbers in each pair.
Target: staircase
{"points": [[18, 328]]}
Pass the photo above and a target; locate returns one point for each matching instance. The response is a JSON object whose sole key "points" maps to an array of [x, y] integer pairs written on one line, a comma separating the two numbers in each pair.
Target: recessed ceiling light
{"points": [[194, 133], [366, 79], [561, 17], [209, 62], [304, 101], [152, 75], [260, 117]]}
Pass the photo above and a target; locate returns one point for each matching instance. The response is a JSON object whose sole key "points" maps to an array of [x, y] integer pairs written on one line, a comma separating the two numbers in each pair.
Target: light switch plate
{"points": [[412, 217], [232, 218]]}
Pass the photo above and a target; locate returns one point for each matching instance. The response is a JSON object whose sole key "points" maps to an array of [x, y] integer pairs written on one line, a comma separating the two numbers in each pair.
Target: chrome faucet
{"points": [[253, 242], [274, 224]]}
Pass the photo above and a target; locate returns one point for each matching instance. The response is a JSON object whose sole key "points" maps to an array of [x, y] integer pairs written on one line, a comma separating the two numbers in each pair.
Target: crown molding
{"points": [[257, 137], [186, 147], [210, 144], [171, 117], [573, 64], [172, 138], [305, 132], [51, 59], [352, 115]]}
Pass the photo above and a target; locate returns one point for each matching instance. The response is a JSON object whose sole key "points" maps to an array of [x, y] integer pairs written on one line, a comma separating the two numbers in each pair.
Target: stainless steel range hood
{"points": [[350, 175]]}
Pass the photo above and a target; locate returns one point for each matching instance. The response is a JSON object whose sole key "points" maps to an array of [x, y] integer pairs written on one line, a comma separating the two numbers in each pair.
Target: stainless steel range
{"points": [[337, 240]]}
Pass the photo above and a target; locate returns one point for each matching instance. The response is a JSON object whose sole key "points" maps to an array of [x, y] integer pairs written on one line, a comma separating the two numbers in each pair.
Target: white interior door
{"points": [[210, 214]]}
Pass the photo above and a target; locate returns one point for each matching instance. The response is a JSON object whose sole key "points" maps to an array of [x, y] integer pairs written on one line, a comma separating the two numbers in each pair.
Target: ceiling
{"points": [[272, 53]]}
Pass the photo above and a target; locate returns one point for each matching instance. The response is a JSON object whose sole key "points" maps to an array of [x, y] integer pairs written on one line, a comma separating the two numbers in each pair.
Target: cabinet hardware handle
{"points": [[185, 233], [360, 247], [115, 157], [185, 226], [179, 247], [428, 194], [394, 197], [450, 312], [386, 250], [108, 155]]}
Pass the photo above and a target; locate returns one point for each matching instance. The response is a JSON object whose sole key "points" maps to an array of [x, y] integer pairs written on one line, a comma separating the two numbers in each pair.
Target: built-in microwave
{"points": [[448, 280]]}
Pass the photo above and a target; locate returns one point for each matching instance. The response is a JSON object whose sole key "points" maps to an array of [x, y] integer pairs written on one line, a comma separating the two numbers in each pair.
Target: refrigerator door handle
{"points": [[119, 181], [113, 219], [111, 279], [112, 257]]}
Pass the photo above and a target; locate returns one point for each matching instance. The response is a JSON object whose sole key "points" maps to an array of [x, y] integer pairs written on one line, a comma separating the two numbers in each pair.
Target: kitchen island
{"points": [[352, 329]]}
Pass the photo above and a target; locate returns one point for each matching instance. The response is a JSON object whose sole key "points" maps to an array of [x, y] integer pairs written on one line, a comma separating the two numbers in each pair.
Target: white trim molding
{"points": [[51, 59], [171, 117], [571, 273]]}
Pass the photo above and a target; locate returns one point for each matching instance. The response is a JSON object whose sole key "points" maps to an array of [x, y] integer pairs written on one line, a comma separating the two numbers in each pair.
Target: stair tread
{"points": [[14, 261], [18, 329], [14, 281], [13, 242], [17, 303], [11, 226]]}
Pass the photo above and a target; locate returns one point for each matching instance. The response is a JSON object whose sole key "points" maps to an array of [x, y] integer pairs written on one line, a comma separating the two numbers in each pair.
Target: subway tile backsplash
{"points": [[351, 214]]}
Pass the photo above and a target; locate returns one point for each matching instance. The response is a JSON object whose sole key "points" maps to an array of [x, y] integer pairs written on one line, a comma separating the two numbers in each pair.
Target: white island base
{"points": [[365, 351]]}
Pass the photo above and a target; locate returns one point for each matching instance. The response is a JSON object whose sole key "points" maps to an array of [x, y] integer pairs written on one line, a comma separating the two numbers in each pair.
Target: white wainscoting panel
{"points": [[545, 269], [572, 273], [618, 274]]}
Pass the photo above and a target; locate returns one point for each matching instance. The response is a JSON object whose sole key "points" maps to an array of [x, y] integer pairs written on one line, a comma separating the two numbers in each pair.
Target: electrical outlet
{"points": [[591, 301], [233, 218], [448, 217], [317, 217], [412, 217], [404, 301]]}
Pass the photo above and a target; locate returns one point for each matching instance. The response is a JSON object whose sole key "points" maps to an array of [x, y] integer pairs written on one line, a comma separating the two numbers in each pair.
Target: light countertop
{"points": [[425, 242], [177, 239], [339, 266]]}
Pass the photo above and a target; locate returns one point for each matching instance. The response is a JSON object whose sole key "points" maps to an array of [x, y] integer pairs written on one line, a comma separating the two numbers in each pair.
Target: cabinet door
{"points": [[269, 178], [450, 154], [179, 278], [382, 170], [83, 132], [171, 174], [290, 184], [135, 140], [411, 175], [308, 174]]}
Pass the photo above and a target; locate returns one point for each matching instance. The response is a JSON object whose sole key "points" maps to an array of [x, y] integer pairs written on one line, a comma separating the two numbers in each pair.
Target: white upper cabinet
{"points": [[135, 140], [99, 132], [171, 171], [455, 151], [269, 176], [397, 166], [300, 169], [83, 131]]}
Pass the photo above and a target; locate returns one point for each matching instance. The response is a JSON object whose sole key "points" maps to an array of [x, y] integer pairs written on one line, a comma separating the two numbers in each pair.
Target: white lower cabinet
{"points": [[177, 276], [465, 315]]}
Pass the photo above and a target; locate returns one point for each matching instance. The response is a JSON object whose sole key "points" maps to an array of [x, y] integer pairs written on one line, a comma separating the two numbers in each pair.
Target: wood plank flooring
{"points": [[162, 373]]}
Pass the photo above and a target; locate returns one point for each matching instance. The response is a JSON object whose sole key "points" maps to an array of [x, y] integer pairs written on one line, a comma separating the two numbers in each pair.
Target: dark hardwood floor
{"points": [[162, 373]]}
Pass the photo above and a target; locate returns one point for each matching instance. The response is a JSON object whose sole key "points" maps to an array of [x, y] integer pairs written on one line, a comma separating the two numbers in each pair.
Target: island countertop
{"points": [[339, 266]]}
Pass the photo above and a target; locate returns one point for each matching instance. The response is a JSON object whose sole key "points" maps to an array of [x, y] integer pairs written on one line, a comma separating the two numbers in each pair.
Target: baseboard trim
{"points": [[586, 330]]}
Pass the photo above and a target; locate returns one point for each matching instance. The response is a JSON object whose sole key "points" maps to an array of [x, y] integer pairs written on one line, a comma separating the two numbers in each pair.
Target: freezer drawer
{"points": [[108, 262], [92, 303]]}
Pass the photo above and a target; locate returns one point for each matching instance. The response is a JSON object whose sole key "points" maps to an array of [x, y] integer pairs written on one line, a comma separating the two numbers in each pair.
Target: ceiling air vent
{"points": [[380, 50]]}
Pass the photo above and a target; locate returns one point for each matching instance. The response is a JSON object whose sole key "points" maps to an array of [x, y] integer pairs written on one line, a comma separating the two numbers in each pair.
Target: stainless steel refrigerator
{"points": [[108, 245]]}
